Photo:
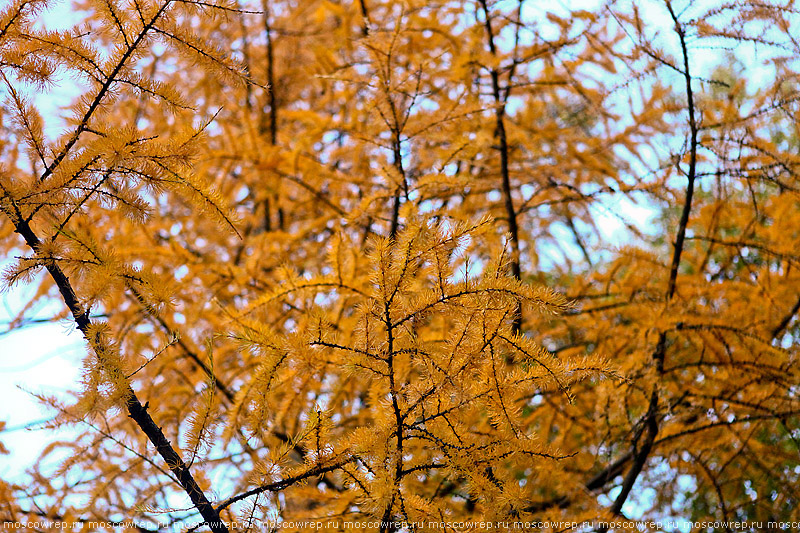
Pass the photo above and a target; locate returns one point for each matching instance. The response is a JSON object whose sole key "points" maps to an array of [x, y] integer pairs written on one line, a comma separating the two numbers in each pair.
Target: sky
{"points": [[43, 358]]}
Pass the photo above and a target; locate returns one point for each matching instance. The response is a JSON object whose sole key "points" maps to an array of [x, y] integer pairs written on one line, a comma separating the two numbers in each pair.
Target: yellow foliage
{"points": [[359, 262]]}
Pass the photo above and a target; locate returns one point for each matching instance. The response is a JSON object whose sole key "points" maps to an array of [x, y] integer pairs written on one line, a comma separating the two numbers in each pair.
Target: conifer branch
{"points": [[136, 410], [287, 482], [182, 343], [650, 421], [505, 175], [785, 321], [693, 145], [111, 78]]}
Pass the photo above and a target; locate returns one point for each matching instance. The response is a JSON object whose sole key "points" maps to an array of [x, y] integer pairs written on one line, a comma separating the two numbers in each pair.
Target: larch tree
{"points": [[348, 262]]}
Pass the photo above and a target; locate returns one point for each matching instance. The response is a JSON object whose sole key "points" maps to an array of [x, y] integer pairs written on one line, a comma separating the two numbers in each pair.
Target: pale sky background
{"points": [[41, 358]]}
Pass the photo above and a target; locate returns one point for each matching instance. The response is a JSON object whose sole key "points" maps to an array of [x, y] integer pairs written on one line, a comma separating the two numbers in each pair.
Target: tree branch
{"points": [[651, 418], [136, 410], [101, 94], [500, 133], [284, 483]]}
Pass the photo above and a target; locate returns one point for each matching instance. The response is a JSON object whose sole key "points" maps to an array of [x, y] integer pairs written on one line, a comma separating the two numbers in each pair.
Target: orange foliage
{"points": [[356, 262]]}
